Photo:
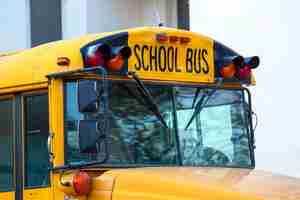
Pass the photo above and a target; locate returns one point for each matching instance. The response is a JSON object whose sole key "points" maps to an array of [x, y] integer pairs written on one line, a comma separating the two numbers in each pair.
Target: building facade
{"points": [[28, 23]]}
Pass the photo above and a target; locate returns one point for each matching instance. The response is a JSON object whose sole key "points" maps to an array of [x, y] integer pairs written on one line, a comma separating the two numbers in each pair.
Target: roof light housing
{"points": [[232, 67], [98, 55]]}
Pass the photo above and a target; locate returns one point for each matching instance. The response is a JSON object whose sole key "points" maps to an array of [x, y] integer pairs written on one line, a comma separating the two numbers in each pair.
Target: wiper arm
{"points": [[133, 94], [150, 103], [196, 97], [199, 106]]}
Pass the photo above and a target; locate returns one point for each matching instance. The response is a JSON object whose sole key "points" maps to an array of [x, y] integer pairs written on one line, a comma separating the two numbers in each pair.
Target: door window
{"points": [[6, 145], [36, 135]]}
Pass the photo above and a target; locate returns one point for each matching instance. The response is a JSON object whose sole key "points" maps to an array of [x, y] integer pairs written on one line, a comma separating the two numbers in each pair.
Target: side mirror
{"points": [[88, 95], [91, 134], [88, 136]]}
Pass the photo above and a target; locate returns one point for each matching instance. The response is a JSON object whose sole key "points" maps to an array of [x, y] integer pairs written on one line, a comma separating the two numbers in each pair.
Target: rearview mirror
{"points": [[88, 95], [88, 136], [91, 133]]}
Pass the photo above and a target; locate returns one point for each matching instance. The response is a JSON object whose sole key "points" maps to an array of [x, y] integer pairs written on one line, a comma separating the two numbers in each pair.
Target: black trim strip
{"points": [[251, 136], [176, 129], [18, 148]]}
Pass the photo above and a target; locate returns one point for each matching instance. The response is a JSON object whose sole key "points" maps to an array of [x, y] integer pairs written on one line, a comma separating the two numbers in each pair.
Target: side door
{"points": [[7, 140], [37, 181]]}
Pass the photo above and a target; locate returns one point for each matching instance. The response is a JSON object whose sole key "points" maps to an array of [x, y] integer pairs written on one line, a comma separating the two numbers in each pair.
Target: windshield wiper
{"points": [[150, 103], [199, 106], [196, 96]]}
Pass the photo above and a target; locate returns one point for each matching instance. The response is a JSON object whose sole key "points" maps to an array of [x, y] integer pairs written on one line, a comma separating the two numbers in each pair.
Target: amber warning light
{"points": [[82, 183], [117, 62]]}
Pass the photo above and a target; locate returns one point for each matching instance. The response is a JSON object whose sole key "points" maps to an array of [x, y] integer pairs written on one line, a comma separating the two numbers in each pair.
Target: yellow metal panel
{"points": [[57, 120], [8, 53], [24, 88], [179, 183], [38, 194], [57, 193], [32, 65], [7, 195], [253, 79], [56, 125], [193, 62]]}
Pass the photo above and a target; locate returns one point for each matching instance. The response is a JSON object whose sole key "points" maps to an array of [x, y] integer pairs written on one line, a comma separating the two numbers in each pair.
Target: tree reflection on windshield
{"points": [[218, 136]]}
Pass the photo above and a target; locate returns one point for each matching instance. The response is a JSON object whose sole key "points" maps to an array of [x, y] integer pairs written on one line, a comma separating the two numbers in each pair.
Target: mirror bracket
{"points": [[92, 133]]}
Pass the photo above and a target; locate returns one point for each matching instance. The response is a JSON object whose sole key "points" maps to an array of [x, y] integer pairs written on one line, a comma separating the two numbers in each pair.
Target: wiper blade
{"points": [[196, 97], [150, 103], [199, 106]]}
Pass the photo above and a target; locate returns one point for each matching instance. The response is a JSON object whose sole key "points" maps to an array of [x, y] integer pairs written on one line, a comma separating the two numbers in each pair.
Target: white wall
{"points": [[15, 25], [120, 14], [84, 16], [74, 18], [105, 16], [271, 30], [159, 11]]}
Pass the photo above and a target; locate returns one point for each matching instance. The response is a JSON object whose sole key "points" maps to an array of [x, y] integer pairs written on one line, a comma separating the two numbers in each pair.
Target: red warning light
{"points": [[244, 72], [82, 183], [97, 56], [174, 39], [162, 38], [185, 40]]}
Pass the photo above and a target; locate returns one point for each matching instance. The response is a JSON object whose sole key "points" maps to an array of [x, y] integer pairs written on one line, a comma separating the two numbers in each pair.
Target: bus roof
{"points": [[31, 66]]}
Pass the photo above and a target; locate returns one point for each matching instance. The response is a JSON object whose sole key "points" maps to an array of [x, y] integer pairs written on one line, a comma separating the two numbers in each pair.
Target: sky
{"points": [[269, 29]]}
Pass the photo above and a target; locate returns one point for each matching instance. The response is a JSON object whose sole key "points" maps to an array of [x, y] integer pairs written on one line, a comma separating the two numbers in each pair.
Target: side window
{"points": [[6, 145], [36, 134]]}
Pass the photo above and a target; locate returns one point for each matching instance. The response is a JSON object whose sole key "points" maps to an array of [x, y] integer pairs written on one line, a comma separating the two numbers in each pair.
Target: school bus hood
{"points": [[202, 184]]}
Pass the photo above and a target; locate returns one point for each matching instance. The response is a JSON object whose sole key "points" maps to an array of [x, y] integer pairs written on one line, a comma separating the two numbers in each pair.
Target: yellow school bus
{"points": [[147, 113]]}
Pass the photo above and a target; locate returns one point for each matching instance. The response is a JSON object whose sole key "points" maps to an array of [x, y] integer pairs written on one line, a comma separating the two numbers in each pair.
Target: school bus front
{"points": [[147, 113]]}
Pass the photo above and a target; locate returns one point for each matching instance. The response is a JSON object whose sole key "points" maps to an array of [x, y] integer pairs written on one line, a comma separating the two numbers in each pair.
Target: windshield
{"points": [[217, 134]]}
